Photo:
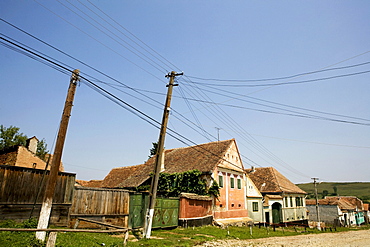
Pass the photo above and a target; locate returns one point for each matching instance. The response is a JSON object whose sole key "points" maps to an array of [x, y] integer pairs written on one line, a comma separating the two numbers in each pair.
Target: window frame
{"points": [[220, 180], [239, 183], [255, 206], [232, 182]]}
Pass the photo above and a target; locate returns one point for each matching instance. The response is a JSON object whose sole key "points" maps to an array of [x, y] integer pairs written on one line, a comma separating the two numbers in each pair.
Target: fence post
{"points": [[52, 239]]}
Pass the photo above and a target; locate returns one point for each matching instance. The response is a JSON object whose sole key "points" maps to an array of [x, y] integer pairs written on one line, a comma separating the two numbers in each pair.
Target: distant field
{"points": [[359, 189]]}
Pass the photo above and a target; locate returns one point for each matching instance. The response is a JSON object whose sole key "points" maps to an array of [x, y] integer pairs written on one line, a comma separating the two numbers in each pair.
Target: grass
{"points": [[165, 237]]}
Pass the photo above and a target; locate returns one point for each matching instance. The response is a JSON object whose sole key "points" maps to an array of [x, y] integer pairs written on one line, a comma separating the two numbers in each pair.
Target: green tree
{"points": [[42, 150], [11, 136], [153, 150], [325, 193], [335, 188]]}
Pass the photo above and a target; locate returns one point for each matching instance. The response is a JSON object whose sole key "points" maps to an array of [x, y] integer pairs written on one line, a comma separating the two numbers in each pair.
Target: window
{"points": [[299, 201], [220, 181], [232, 182], [291, 201], [286, 202], [239, 183], [255, 206]]}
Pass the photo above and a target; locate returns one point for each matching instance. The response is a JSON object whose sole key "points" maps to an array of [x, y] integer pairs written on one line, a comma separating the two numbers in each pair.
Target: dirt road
{"points": [[341, 239]]}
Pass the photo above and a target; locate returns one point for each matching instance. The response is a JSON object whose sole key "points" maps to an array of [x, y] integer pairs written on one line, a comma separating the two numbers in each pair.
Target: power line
{"points": [[284, 83], [133, 35], [292, 113], [279, 78], [232, 97], [106, 46], [100, 72], [118, 101], [134, 52]]}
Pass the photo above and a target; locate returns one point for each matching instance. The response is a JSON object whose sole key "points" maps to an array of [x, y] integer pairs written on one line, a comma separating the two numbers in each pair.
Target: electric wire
{"points": [[284, 83], [134, 52], [188, 99], [133, 35], [251, 140], [106, 46], [120, 102], [121, 84], [291, 113], [278, 78], [127, 36]]}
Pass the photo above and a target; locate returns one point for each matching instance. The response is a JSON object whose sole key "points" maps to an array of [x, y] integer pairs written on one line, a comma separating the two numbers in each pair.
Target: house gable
{"points": [[251, 188]]}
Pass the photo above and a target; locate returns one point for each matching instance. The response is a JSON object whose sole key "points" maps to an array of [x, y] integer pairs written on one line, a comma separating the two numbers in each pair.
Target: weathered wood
{"points": [[102, 223], [102, 204], [125, 239], [19, 187], [52, 239], [62, 230], [76, 224], [99, 215]]}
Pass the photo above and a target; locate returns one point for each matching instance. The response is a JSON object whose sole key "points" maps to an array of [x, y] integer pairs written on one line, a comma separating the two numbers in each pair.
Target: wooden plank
{"points": [[61, 230], [101, 223]]}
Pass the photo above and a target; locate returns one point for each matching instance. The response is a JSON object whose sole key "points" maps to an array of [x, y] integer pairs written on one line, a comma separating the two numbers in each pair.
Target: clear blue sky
{"points": [[230, 40]]}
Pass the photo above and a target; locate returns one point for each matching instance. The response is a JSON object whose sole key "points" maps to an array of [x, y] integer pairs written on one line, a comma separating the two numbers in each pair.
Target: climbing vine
{"points": [[171, 185]]}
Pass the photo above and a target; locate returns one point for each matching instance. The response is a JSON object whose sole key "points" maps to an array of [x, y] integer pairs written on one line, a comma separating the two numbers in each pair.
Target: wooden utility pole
{"points": [[158, 157], [57, 156], [317, 204]]}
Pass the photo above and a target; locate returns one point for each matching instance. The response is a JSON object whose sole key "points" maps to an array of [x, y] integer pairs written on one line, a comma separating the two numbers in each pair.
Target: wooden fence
{"points": [[105, 205], [22, 190]]}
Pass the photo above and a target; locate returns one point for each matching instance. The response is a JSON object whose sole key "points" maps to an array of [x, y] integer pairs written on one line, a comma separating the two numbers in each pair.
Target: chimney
{"points": [[31, 144], [253, 169]]}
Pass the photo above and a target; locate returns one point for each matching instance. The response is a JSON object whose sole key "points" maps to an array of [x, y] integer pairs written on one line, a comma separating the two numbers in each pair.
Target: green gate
{"points": [[166, 211], [138, 205]]}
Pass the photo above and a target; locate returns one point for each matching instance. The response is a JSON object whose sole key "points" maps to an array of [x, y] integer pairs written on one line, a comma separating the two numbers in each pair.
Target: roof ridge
{"points": [[123, 167], [202, 144]]}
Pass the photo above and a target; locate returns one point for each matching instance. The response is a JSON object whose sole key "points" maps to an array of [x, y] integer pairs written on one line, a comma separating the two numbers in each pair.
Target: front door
{"points": [[267, 217], [276, 213]]}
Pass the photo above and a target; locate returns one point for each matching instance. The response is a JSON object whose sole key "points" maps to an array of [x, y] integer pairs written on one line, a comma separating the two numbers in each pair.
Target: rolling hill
{"points": [[359, 189]]}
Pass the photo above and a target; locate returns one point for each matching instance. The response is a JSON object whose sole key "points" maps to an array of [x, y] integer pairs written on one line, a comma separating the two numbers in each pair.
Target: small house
{"points": [[283, 201], [22, 156]]}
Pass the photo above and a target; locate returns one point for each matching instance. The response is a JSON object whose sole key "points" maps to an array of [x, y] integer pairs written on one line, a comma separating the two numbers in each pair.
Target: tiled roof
{"points": [[203, 157], [91, 183], [94, 183], [127, 176], [269, 180], [80, 182], [343, 202], [348, 202]]}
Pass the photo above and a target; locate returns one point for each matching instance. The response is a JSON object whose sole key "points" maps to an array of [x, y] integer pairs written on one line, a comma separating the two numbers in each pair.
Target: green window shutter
{"points": [[220, 181], [239, 183]]}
